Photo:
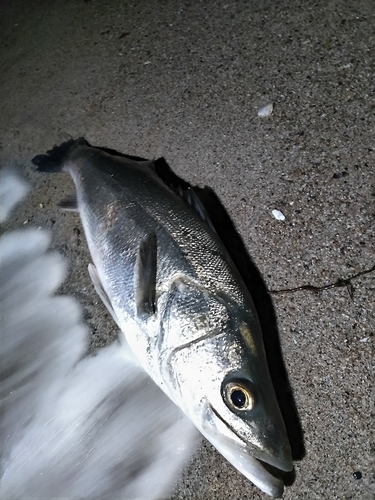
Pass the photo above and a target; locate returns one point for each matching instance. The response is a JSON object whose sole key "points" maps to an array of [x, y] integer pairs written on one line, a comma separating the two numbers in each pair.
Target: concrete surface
{"points": [[185, 80]]}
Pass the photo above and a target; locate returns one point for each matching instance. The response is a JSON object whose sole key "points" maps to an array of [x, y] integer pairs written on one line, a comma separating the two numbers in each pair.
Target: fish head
{"points": [[218, 375]]}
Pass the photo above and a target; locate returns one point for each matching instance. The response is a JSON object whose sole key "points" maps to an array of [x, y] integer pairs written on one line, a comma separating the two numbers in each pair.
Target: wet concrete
{"points": [[185, 80]]}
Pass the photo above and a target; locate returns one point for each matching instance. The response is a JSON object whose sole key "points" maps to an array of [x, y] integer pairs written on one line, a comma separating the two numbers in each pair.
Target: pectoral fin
{"points": [[145, 277], [101, 292]]}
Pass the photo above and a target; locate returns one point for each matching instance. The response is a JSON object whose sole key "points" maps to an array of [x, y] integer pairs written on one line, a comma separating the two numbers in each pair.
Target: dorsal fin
{"points": [[181, 188], [190, 196]]}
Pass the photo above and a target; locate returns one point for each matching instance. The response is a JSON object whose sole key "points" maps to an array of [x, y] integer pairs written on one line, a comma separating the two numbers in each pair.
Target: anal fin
{"points": [[69, 204], [145, 277]]}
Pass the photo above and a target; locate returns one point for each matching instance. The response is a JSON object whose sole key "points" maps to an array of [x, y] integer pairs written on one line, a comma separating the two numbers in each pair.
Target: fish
{"points": [[172, 288]]}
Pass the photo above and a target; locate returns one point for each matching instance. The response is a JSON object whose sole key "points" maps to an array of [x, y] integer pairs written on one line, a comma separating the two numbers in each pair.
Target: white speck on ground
{"points": [[266, 110], [278, 215]]}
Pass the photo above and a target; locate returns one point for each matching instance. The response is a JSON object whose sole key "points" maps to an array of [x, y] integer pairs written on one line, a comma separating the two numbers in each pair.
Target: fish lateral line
{"points": [[340, 283]]}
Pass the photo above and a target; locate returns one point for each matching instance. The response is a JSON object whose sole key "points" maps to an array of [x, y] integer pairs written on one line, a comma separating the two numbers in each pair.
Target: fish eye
{"points": [[238, 396]]}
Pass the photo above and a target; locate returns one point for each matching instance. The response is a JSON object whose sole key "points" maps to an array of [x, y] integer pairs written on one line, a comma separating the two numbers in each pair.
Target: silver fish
{"points": [[172, 288]]}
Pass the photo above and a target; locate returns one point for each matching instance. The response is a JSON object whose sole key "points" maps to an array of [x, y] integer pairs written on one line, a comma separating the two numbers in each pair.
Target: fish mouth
{"points": [[251, 468], [251, 462]]}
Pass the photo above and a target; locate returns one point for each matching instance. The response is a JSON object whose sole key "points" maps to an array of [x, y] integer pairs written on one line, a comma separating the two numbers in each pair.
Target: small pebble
{"points": [[266, 110], [278, 215], [357, 475]]}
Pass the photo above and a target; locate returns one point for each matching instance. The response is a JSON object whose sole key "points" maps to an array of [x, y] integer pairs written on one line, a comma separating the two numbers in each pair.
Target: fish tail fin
{"points": [[54, 160]]}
